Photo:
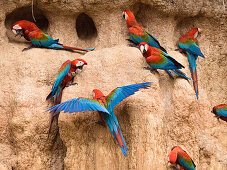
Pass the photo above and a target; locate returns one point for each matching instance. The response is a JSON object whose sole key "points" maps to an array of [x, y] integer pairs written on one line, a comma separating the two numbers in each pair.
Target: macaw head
{"points": [[129, 17], [172, 157], [194, 32], [97, 94], [144, 47], [78, 63], [23, 27]]}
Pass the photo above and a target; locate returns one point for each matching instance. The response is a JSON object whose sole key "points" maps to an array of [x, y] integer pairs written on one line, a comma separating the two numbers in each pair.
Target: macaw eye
{"points": [[125, 15], [80, 63], [142, 49], [146, 47]]}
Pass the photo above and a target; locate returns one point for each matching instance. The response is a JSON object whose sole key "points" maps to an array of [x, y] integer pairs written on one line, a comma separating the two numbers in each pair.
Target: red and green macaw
{"points": [[37, 37], [158, 59], [180, 157], [220, 111], [65, 77], [189, 45], [105, 105], [138, 34]]}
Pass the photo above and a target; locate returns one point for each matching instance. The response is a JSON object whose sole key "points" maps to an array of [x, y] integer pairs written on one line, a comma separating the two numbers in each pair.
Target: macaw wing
{"points": [[222, 112], [39, 38], [192, 47], [157, 42], [185, 160], [38, 35], [175, 62], [120, 93], [78, 105], [63, 71]]}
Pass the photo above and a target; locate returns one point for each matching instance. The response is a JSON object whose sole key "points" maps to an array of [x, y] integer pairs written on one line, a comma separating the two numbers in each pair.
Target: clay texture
{"points": [[152, 121]]}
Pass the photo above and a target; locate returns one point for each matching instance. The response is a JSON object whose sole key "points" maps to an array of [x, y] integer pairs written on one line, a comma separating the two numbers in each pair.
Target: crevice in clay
{"points": [[85, 27], [25, 13]]}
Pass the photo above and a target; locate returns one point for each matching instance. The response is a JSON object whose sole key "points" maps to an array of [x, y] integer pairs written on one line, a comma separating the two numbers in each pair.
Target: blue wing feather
{"points": [[61, 74], [120, 93], [222, 112], [78, 105]]}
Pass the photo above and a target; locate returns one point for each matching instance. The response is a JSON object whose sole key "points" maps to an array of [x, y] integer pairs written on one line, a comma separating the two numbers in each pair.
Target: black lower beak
{"points": [[19, 32], [80, 67]]}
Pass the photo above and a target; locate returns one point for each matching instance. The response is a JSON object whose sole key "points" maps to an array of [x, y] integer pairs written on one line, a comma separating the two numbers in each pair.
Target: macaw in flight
{"points": [[104, 105], [65, 78], [180, 157], [158, 59], [220, 111], [189, 45], [38, 38]]}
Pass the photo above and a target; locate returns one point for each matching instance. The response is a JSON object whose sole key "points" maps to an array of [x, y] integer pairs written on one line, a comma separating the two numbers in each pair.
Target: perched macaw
{"points": [[37, 37], [158, 59], [65, 77], [138, 33], [189, 45], [180, 157], [105, 106], [220, 111]]}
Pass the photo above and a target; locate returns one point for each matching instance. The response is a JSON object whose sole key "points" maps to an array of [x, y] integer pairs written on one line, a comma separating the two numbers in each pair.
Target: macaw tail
{"points": [[119, 137], [57, 100], [75, 48], [60, 46], [192, 65], [180, 73], [116, 131]]}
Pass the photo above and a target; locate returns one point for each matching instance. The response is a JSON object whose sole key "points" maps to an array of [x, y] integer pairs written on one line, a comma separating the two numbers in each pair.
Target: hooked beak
{"points": [[80, 67], [19, 32]]}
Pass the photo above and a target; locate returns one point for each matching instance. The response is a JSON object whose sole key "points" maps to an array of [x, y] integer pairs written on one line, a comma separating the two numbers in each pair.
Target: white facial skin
{"points": [[16, 27], [80, 63], [146, 47], [93, 94], [125, 15], [143, 48], [197, 33]]}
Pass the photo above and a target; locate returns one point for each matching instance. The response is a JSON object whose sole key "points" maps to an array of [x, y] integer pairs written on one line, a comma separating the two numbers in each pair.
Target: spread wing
{"points": [[78, 105], [120, 93], [63, 71]]}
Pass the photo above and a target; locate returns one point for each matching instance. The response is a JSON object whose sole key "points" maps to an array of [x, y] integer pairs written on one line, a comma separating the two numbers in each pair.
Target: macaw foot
{"points": [[151, 70], [25, 49], [71, 84], [101, 123]]}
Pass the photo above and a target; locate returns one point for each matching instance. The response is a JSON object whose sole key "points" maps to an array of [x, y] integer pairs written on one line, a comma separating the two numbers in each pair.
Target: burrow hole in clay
{"points": [[25, 13], [85, 27]]}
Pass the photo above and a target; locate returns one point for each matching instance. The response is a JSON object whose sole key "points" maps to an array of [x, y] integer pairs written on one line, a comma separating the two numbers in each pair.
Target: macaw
{"points": [[65, 77], [220, 111], [158, 59], [37, 37], [138, 33], [189, 45], [180, 157], [105, 106]]}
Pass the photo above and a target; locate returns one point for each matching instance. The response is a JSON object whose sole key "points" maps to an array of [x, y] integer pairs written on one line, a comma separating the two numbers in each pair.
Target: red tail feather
{"points": [[75, 48]]}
